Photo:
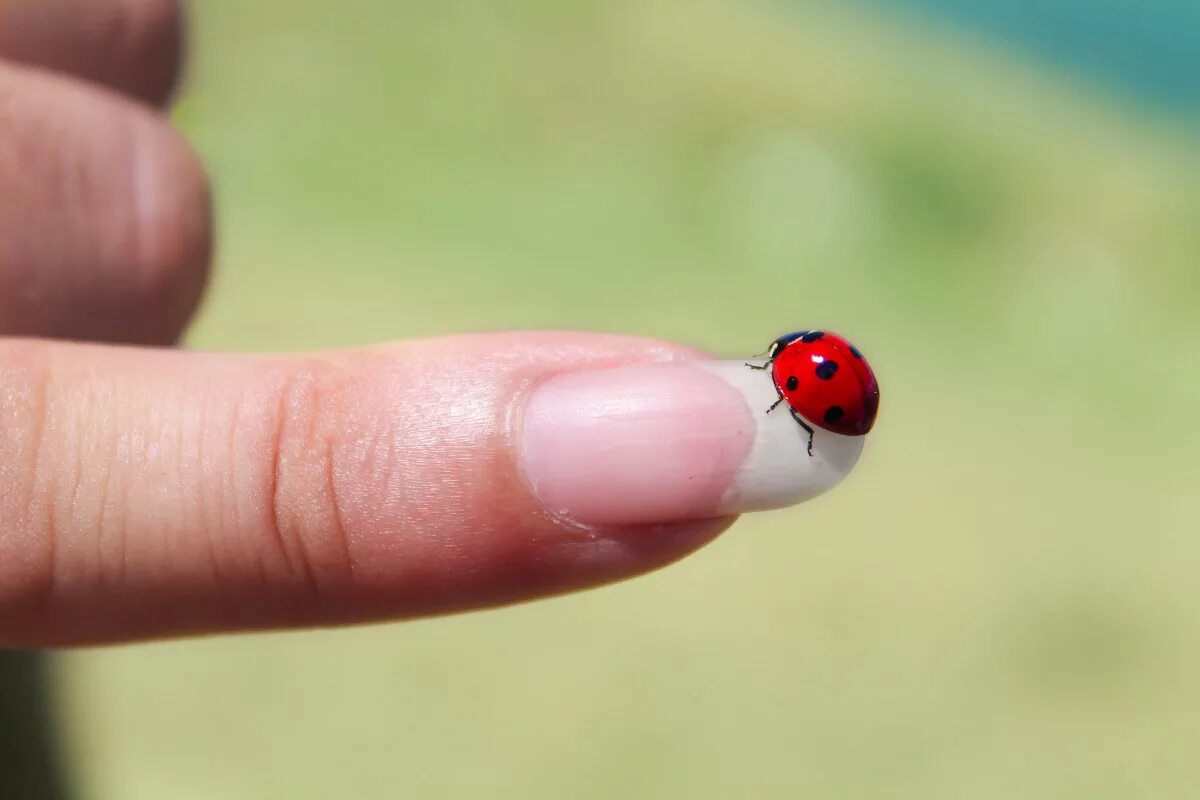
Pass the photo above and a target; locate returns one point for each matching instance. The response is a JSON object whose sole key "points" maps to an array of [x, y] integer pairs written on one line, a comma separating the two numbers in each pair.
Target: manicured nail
{"points": [[663, 443]]}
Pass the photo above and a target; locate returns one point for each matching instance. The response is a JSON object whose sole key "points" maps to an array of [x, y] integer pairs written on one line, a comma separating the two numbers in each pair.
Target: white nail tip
{"points": [[779, 472]]}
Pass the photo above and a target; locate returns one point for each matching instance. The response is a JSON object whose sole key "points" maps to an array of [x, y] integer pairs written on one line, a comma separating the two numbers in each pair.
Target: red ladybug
{"points": [[825, 380]]}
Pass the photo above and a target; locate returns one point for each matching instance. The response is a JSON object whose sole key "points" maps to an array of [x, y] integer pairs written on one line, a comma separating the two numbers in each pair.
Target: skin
{"points": [[150, 492]]}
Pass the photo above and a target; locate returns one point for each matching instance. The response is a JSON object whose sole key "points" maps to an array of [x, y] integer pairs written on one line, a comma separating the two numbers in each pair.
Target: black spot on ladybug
{"points": [[792, 383], [854, 352], [827, 369], [812, 336], [833, 414]]}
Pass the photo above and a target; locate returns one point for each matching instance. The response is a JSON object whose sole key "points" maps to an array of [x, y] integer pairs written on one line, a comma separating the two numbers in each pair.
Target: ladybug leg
{"points": [[755, 366], [775, 405], [806, 427]]}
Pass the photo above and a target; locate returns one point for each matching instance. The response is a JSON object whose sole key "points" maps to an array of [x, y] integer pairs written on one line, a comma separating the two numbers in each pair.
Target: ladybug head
{"points": [[782, 342]]}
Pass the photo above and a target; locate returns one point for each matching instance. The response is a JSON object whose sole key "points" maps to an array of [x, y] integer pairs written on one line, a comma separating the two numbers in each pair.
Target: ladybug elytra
{"points": [[825, 381]]}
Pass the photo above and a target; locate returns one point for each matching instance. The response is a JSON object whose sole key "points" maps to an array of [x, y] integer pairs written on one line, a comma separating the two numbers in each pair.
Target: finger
{"points": [[133, 46], [104, 213], [161, 493]]}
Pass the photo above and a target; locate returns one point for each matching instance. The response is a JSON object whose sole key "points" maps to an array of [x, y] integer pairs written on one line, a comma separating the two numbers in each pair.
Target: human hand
{"points": [[151, 492]]}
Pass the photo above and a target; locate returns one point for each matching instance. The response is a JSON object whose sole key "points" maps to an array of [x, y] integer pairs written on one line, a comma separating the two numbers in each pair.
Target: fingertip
{"points": [[173, 238], [107, 213], [634, 445], [652, 444], [132, 46], [779, 470]]}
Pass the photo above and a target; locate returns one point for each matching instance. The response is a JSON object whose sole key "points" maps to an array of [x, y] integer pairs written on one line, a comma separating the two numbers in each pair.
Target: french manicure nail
{"points": [[662, 443]]}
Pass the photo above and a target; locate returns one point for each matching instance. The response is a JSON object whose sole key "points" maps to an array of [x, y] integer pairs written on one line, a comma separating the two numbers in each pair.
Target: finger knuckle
{"points": [[306, 512]]}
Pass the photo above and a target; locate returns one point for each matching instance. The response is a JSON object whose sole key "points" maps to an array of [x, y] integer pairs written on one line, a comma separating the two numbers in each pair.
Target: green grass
{"points": [[1000, 603]]}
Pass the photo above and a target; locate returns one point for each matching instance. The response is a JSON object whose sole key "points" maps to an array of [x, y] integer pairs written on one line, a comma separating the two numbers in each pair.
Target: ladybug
{"points": [[825, 381]]}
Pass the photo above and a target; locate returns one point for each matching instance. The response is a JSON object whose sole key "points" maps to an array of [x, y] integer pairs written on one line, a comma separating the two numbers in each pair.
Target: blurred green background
{"points": [[1001, 602]]}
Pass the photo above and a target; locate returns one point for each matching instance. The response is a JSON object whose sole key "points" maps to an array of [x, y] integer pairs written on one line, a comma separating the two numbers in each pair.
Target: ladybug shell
{"points": [[826, 380]]}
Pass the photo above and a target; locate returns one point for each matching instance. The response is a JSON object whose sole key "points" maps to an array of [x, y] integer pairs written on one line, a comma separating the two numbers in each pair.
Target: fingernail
{"points": [[655, 444]]}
